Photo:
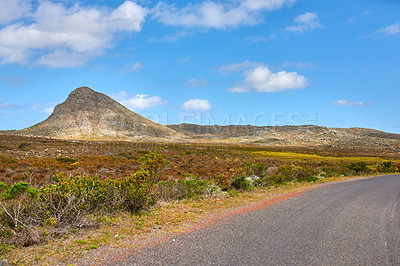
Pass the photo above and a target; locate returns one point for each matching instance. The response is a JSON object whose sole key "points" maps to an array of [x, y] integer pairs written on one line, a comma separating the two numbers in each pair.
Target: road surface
{"points": [[349, 223]]}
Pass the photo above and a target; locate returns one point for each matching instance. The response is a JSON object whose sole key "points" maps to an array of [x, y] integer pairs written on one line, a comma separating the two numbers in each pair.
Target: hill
{"points": [[91, 115]]}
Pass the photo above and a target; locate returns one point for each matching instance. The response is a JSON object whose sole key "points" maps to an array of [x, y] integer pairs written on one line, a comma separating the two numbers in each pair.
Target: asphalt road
{"points": [[350, 223]]}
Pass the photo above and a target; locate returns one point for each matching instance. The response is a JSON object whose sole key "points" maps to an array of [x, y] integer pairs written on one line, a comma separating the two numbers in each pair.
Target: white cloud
{"points": [[135, 67], [240, 66], [172, 37], [62, 58], [120, 96], [218, 15], [393, 29], [359, 16], [196, 105], [142, 101], [261, 38], [196, 82], [206, 14], [11, 10], [304, 22], [266, 4], [352, 103], [261, 79], [61, 36]]}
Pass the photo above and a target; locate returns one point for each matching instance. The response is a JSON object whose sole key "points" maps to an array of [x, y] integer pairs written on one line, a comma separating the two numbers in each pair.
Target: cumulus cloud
{"points": [[262, 79], [196, 82], [62, 58], [218, 15], [142, 101], [351, 103], [305, 22], [57, 35], [266, 4], [196, 105], [11, 10], [206, 14], [393, 29]]}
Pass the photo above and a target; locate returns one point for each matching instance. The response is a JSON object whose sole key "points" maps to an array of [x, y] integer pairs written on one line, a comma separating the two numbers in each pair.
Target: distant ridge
{"points": [[302, 135], [240, 130], [250, 130], [92, 115]]}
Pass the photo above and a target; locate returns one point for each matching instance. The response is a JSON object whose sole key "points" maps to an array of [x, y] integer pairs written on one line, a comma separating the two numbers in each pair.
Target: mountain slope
{"points": [[93, 115], [303, 135]]}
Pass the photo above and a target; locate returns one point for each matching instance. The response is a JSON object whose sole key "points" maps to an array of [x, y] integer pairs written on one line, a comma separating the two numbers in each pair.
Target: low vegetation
{"points": [[52, 188]]}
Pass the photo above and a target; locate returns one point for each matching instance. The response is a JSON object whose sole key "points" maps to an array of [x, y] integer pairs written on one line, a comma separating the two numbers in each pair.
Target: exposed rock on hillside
{"points": [[92, 115]]}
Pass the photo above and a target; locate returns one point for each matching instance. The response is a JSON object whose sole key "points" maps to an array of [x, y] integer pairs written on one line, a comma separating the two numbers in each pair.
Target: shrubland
{"points": [[51, 188]]}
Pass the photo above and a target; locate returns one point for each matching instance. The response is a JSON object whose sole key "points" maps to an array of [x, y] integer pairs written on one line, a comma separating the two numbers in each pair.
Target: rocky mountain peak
{"points": [[88, 100], [82, 92], [90, 114]]}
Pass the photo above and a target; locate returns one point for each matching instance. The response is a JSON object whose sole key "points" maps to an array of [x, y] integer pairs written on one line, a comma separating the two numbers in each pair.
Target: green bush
{"points": [[242, 182], [137, 192], [91, 194], [257, 169], [357, 167], [126, 155], [212, 190], [289, 173], [222, 181], [331, 171], [285, 173], [66, 160], [183, 188], [152, 163], [71, 202], [232, 193], [387, 167], [306, 174], [24, 145], [14, 201], [75, 202], [17, 190]]}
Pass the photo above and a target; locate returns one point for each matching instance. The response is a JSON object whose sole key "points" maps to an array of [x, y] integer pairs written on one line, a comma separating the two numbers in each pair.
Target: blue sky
{"points": [[262, 62]]}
